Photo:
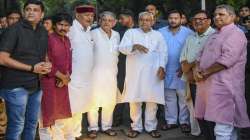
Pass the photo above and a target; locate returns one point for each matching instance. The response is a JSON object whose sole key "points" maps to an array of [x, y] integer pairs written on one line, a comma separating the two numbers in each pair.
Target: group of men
{"points": [[197, 76]]}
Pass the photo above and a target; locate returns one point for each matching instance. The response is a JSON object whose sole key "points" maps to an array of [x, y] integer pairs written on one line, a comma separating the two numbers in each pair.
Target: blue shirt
{"points": [[175, 43]]}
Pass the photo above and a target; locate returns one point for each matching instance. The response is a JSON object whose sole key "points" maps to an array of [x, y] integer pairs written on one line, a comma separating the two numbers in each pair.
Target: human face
{"points": [[33, 13], [222, 18], [107, 23], [48, 25], [152, 9], [62, 28], [244, 11], [13, 18], [201, 22], [183, 19], [3, 22], [146, 22], [174, 20], [85, 19], [124, 20]]}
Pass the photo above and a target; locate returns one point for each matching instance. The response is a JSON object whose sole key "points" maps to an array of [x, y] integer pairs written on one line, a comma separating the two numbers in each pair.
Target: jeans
{"points": [[22, 109], [225, 132]]}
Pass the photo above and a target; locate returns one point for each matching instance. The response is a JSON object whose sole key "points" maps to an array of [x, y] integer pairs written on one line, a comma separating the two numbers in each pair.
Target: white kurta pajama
{"points": [[104, 78], [142, 83], [82, 67]]}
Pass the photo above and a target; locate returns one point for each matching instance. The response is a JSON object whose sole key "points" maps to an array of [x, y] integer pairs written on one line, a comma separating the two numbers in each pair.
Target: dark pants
{"points": [[207, 129], [193, 92], [22, 109]]}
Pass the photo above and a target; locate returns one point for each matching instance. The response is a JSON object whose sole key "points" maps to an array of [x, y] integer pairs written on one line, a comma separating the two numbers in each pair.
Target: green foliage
{"points": [[235, 3]]}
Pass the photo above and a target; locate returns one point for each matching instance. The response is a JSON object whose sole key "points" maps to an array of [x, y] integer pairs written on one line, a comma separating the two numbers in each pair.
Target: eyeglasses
{"points": [[200, 19]]}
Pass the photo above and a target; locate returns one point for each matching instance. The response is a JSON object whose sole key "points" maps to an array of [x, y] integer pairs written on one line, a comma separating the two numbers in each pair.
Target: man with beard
{"points": [[220, 76], [13, 16], [55, 100], [175, 36]]}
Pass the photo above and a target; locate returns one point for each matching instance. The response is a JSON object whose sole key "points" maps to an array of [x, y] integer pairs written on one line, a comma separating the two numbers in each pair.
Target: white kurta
{"points": [[82, 67], [142, 83], [105, 68]]}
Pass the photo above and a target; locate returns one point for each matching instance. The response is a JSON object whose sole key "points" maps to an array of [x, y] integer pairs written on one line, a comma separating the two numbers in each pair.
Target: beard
{"points": [[175, 25]]}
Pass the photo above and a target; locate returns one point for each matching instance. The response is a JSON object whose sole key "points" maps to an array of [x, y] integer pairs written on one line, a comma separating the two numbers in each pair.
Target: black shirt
{"points": [[27, 46]]}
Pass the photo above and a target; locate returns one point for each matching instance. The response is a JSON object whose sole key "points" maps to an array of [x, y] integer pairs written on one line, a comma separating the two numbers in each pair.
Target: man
{"points": [[82, 64], [146, 58], [22, 53], [158, 23], [220, 98], [175, 36], [3, 21], [121, 115], [244, 11], [105, 71], [55, 100], [47, 23], [201, 22], [13, 16]]}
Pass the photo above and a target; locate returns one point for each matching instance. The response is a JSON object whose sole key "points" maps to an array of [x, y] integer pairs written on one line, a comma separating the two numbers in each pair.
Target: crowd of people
{"points": [[157, 74]]}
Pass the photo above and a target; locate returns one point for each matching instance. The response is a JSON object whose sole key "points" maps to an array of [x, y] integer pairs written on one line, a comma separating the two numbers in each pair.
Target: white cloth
{"points": [[105, 68], [150, 122], [82, 66], [106, 119], [142, 83], [171, 108], [225, 132]]}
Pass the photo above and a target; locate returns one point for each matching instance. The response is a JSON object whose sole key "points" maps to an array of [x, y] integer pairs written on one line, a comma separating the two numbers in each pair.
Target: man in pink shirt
{"points": [[220, 74]]}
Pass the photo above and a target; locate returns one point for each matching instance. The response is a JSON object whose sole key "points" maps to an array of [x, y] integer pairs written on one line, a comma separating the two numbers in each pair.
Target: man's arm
{"points": [[186, 67]]}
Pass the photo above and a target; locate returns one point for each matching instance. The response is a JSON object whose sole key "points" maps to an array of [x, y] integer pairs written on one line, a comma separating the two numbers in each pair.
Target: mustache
{"points": [[63, 31]]}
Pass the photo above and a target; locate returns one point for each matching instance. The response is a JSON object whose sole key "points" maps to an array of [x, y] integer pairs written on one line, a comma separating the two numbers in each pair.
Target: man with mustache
{"points": [[55, 99], [22, 53], [175, 36], [220, 74], [82, 45]]}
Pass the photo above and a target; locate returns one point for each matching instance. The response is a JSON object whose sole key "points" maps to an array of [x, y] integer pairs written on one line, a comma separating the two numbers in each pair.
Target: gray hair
{"points": [[107, 13], [228, 8], [146, 14]]}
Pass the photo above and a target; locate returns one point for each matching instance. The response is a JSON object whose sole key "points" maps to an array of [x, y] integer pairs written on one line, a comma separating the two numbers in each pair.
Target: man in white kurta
{"points": [[104, 75], [82, 65], [146, 58]]}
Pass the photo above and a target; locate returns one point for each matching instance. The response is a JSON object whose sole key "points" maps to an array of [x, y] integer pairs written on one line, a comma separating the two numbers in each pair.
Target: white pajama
{"points": [[150, 116], [225, 132]]}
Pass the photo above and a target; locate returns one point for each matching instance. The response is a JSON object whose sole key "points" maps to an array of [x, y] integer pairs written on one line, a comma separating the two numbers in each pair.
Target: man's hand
{"points": [[197, 75], [42, 68], [179, 72], [66, 79], [140, 48], [161, 73]]}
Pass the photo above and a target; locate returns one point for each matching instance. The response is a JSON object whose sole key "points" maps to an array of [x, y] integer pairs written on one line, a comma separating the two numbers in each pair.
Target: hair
{"points": [[152, 4], [228, 8], [107, 13], [61, 17], [146, 13], [12, 11], [36, 2], [202, 12], [127, 12], [175, 11], [245, 6]]}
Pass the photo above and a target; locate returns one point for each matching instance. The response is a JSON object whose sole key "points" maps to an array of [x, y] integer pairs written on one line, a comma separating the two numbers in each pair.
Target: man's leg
{"points": [[136, 116], [225, 132], [107, 117], [150, 117], [16, 101], [93, 116], [45, 133], [171, 110], [184, 113], [32, 115]]}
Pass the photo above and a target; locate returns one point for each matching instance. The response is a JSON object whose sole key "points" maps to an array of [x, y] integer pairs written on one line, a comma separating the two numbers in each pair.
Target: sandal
{"points": [[92, 134], [154, 134], [133, 133], [110, 132], [166, 127], [185, 128]]}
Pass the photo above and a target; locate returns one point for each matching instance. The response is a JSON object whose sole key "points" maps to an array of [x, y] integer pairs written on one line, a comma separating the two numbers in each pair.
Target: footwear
{"points": [[166, 127], [185, 128], [133, 133], [92, 134], [110, 132], [154, 134]]}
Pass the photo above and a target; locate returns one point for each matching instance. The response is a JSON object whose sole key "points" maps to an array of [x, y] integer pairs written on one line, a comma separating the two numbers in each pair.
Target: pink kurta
{"points": [[55, 101], [221, 98]]}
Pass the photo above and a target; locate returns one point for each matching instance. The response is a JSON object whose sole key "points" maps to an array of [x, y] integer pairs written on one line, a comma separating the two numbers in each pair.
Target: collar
{"points": [[79, 26], [147, 32], [27, 24], [226, 28], [103, 32], [206, 33]]}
